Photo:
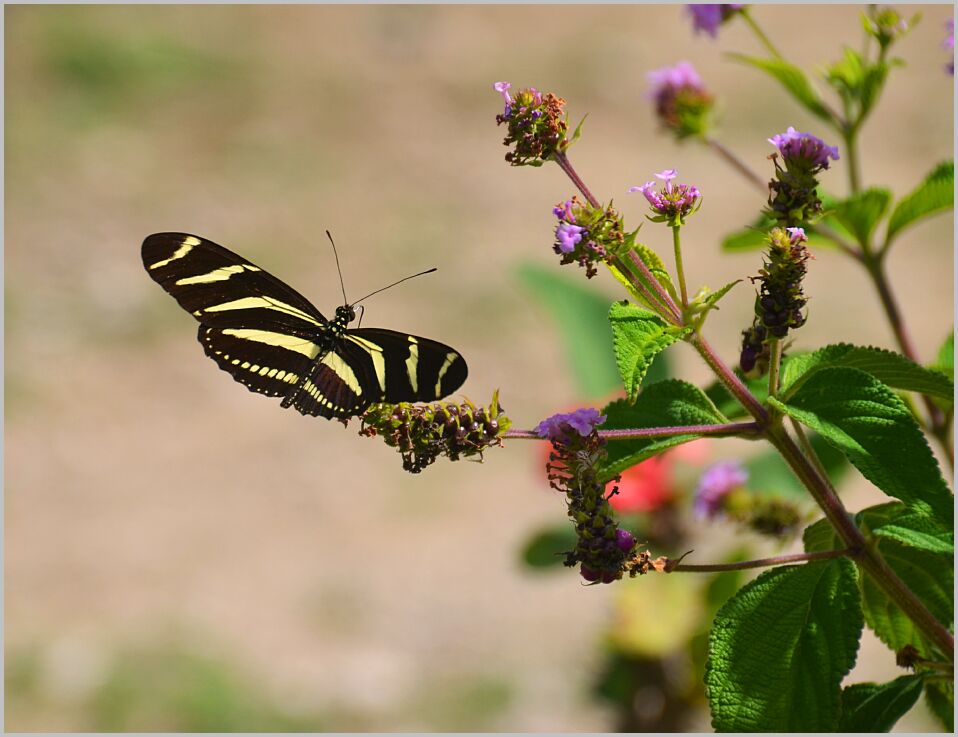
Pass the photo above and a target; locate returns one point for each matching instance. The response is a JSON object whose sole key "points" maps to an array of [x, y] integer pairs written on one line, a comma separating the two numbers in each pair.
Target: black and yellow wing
{"points": [[260, 330], [271, 339]]}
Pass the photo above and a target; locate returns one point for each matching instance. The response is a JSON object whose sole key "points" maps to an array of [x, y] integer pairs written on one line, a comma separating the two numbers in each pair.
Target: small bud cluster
{"points": [[423, 432], [586, 235], [755, 355], [708, 18], [780, 303], [674, 202], [721, 493], [682, 104], [886, 27], [603, 551], [536, 124], [793, 194]]}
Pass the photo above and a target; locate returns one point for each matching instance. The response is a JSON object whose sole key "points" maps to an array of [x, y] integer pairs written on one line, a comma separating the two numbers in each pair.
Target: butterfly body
{"points": [[271, 339]]}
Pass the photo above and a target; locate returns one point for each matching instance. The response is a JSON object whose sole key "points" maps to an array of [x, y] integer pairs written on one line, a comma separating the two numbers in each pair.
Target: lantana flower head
{"points": [[803, 150], [708, 18], [673, 202], [715, 485], [565, 425], [682, 103], [586, 235]]}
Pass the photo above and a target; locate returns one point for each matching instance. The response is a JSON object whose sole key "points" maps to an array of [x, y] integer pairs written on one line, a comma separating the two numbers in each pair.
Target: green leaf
{"points": [[820, 537], [666, 404], [655, 266], [546, 548], [638, 335], [861, 212], [768, 472], [893, 369], [904, 525], [930, 576], [871, 425], [940, 697], [870, 707], [581, 315], [935, 194], [779, 649], [946, 357], [793, 79]]}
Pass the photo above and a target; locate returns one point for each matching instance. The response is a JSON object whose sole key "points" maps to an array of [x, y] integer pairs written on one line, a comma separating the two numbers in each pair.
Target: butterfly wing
{"points": [[258, 329]]}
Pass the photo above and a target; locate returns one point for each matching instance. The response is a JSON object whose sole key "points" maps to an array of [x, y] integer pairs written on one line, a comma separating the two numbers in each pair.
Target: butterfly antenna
{"points": [[329, 235], [427, 271]]}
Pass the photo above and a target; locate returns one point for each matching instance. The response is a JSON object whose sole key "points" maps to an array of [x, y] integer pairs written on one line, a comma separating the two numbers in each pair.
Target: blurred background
{"points": [[183, 555]]}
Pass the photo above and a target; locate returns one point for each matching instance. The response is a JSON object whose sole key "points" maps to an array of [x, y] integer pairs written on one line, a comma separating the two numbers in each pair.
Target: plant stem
{"points": [[761, 562], [766, 42], [563, 161], [851, 150], [740, 166], [679, 269], [728, 377], [774, 364], [730, 428], [869, 559]]}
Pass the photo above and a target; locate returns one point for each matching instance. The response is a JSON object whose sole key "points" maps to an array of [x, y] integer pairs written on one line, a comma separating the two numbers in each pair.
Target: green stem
{"points": [[679, 269], [851, 152], [759, 33], [739, 429], [774, 364]]}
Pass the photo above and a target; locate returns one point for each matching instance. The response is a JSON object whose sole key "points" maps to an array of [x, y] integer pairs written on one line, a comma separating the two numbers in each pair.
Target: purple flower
{"points": [[671, 79], [568, 236], [559, 427], [797, 235], [717, 482], [803, 148], [949, 44], [564, 211], [674, 202], [503, 89], [709, 17]]}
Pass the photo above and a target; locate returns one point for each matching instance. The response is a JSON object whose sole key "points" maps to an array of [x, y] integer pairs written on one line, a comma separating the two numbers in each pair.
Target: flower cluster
{"points": [[674, 202], [793, 194], [682, 103], [586, 235], [780, 303], [423, 432], [886, 27], [603, 551], [721, 492], [755, 354], [536, 124], [708, 18]]}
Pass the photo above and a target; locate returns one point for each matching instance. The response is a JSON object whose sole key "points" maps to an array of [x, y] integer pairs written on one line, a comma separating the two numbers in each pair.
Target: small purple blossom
{"points": [[708, 18], [564, 211], [949, 44], [559, 426], [671, 79], [675, 201], [568, 235], [797, 235], [804, 148], [503, 89], [716, 483]]}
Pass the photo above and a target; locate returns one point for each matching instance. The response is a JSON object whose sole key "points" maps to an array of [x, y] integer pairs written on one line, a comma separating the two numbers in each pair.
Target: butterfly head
{"points": [[345, 314]]}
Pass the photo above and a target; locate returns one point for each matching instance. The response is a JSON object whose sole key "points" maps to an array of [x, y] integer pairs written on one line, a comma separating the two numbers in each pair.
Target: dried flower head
{"points": [[536, 125], [682, 104]]}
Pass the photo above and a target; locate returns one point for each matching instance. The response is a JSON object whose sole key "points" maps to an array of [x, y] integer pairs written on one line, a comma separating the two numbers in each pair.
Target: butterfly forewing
{"points": [[271, 339]]}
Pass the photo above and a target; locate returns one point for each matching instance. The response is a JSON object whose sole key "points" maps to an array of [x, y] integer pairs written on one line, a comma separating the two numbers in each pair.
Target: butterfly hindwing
{"points": [[409, 368]]}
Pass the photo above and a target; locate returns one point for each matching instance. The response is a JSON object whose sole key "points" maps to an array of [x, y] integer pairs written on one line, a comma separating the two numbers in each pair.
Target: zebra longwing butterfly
{"points": [[271, 339]]}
